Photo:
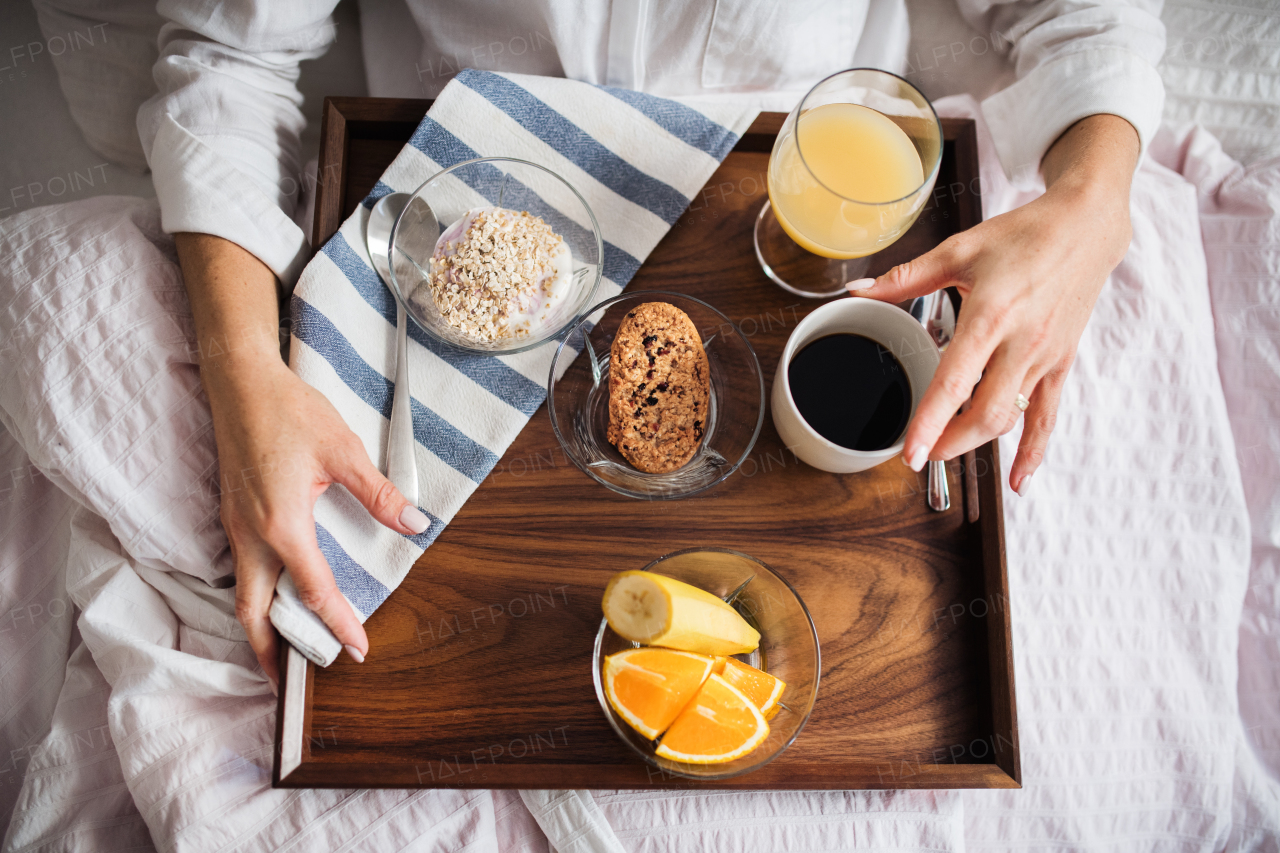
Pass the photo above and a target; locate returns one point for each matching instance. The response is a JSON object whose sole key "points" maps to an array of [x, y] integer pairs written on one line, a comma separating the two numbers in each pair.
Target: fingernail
{"points": [[275, 688], [860, 285], [1022, 487], [414, 519], [916, 460], [355, 653]]}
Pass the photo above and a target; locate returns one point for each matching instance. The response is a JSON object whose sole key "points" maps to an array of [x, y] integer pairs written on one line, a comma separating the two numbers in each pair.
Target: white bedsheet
{"points": [[37, 617], [1241, 232], [1129, 565], [1221, 70]]}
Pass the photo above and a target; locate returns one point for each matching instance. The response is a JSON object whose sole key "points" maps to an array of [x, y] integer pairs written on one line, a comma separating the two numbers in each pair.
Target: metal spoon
{"points": [[936, 313], [402, 468]]}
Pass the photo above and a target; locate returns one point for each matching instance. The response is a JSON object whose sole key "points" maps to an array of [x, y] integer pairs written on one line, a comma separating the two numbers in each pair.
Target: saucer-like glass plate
{"points": [[578, 399]]}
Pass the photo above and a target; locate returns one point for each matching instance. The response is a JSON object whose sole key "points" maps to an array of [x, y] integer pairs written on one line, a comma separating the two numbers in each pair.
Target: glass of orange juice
{"points": [[851, 169]]}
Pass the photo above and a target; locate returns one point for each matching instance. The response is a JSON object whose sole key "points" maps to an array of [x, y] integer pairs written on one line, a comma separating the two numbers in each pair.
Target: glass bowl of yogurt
{"points": [[496, 255]]}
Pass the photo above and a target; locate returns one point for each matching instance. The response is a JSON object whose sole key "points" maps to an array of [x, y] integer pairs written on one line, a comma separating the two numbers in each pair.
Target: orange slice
{"points": [[764, 690], [719, 725], [649, 687]]}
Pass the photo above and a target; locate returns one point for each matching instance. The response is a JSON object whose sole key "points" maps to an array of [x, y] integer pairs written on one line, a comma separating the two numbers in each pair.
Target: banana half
{"points": [[654, 609]]}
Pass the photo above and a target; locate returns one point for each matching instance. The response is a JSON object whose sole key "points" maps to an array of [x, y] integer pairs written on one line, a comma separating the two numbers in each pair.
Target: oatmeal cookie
{"points": [[659, 387]]}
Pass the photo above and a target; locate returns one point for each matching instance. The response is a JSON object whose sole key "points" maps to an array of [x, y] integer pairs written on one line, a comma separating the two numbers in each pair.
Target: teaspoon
{"points": [[402, 468], [936, 313]]}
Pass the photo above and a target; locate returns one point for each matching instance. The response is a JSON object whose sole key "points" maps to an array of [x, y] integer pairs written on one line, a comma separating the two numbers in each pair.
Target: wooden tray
{"points": [[479, 668]]}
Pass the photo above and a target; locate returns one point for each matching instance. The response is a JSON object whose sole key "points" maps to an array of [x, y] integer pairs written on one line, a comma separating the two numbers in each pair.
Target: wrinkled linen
{"points": [[1219, 69], [37, 619], [1128, 562], [1240, 225]]}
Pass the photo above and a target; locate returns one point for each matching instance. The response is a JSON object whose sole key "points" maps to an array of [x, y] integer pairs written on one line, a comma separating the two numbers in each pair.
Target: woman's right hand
{"points": [[280, 443]]}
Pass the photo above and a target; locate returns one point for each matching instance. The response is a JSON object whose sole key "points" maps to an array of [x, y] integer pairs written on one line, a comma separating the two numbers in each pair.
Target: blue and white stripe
{"points": [[637, 159]]}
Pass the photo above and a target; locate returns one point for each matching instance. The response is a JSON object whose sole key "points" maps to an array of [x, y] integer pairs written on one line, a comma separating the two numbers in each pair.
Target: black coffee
{"points": [[852, 391]]}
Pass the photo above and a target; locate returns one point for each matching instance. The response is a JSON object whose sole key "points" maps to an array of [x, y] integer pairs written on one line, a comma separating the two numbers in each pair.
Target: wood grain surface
{"points": [[479, 668]]}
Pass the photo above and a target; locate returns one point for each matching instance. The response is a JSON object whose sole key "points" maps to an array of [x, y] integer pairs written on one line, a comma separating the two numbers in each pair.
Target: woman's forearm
{"points": [[1094, 157], [233, 303], [280, 444]]}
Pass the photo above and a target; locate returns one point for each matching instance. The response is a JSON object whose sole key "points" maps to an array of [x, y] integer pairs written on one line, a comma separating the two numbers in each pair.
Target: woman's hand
{"points": [[1029, 280], [280, 445]]}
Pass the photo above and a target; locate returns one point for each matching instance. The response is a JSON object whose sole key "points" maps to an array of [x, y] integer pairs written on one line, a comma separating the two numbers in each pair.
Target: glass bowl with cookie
{"points": [[495, 255], [656, 395]]}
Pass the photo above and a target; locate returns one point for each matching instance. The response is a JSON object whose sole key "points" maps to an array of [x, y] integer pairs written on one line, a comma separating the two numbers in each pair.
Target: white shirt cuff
{"points": [[1029, 116], [201, 192]]}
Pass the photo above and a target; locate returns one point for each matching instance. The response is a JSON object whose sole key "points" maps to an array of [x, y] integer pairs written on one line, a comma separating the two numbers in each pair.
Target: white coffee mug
{"points": [[887, 325]]}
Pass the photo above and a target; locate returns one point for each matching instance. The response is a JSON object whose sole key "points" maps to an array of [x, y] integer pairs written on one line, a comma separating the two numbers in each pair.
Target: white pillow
{"points": [[104, 53]]}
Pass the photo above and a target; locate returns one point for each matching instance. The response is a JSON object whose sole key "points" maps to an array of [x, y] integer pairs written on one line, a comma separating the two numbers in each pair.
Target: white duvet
{"points": [[1134, 601]]}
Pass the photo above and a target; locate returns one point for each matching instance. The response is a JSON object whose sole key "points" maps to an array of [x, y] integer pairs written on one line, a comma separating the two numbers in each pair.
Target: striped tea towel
{"points": [[637, 160]]}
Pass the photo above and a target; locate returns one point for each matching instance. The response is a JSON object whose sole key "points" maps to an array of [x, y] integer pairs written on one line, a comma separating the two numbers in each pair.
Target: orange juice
{"points": [[854, 191]]}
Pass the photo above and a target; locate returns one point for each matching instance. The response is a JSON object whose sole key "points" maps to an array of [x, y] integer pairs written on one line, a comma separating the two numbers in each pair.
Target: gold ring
{"points": [[1021, 402]]}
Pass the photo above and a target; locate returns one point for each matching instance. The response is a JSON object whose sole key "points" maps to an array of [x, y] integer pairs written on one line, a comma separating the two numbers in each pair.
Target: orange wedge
{"points": [[648, 687], [719, 725], [764, 690]]}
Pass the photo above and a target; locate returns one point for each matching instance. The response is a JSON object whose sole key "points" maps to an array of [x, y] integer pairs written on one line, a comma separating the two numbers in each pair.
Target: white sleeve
{"points": [[1072, 58], [221, 136]]}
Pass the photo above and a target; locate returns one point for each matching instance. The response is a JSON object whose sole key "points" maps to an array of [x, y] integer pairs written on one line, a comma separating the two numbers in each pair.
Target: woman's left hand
{"points": [[1029, 279]]}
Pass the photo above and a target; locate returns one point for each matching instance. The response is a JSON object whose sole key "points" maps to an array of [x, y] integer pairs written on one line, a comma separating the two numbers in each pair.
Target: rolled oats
{"points": [[505, 260]]}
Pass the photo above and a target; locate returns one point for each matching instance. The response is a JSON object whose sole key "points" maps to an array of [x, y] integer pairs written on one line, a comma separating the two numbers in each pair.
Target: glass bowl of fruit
{"points": [[706, 664]]}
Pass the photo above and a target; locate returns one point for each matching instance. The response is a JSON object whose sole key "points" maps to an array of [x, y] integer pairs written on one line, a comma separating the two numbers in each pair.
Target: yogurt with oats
{"points": [[498, 273]]}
